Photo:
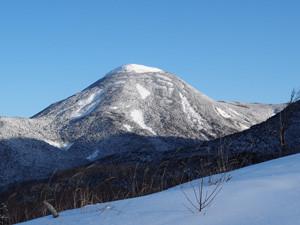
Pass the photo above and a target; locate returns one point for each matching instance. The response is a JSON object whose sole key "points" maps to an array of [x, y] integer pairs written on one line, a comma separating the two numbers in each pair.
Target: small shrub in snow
{"points": [[201, 200]]}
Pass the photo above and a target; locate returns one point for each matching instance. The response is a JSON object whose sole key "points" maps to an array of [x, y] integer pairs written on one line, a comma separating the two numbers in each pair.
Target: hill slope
{"points": [[267, 193]]}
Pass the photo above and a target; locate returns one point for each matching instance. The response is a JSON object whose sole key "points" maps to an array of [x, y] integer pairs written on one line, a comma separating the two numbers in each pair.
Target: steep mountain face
{"points": [[260, 143], [264, 138], [133, 107]]}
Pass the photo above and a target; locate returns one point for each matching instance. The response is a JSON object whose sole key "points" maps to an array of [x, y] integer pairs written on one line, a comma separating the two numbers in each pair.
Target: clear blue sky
{"points": [[229, 50]]}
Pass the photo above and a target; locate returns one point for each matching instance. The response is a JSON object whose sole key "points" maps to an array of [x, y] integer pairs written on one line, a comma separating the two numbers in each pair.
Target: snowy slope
{"points": [[264, 194]]}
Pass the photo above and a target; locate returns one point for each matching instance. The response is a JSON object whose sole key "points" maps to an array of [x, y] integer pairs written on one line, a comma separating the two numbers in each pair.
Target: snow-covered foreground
{"points": [[266, 193]]}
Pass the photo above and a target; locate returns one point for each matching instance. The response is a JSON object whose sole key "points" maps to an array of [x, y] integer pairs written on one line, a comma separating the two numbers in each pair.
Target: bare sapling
{"points": [[202, 201]]}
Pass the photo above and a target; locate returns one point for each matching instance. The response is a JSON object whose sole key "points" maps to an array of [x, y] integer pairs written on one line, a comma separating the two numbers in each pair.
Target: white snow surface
{"points": [[164, 77], [68, 146], [166, 82], [60, 145], [93, 156], [266, 193], [134, 68], [223, 113], [244, 127], [144, 93], [190, 112], [87, 105], [138, 117], [128, 127]]}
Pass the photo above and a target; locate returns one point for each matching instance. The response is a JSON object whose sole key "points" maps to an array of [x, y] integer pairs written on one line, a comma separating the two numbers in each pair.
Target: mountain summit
{"points": [[133, 108], [134, 68]]}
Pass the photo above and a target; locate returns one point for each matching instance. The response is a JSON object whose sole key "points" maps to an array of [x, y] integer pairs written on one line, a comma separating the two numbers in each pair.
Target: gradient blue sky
{"points": [[229, 50]]}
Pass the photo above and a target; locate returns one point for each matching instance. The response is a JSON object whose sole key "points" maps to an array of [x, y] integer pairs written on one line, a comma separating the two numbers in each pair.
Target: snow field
{"points": [[266, 193], [60, 145], [223, 113], [190, 112], [128, 127], [144, 93], [138, 117], [87, 105]]}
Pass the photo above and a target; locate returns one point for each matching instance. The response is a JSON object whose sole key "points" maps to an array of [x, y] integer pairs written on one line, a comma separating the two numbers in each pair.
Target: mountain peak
{"points": [[134, 114], [134, 68]]}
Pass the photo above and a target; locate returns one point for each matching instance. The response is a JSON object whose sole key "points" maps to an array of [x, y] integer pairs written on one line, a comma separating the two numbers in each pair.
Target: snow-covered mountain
{"points": [[132, 108], [150, 102]]}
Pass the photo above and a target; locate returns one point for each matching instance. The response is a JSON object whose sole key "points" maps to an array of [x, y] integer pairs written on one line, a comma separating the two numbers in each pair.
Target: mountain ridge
{"points": [[132, 106]]}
